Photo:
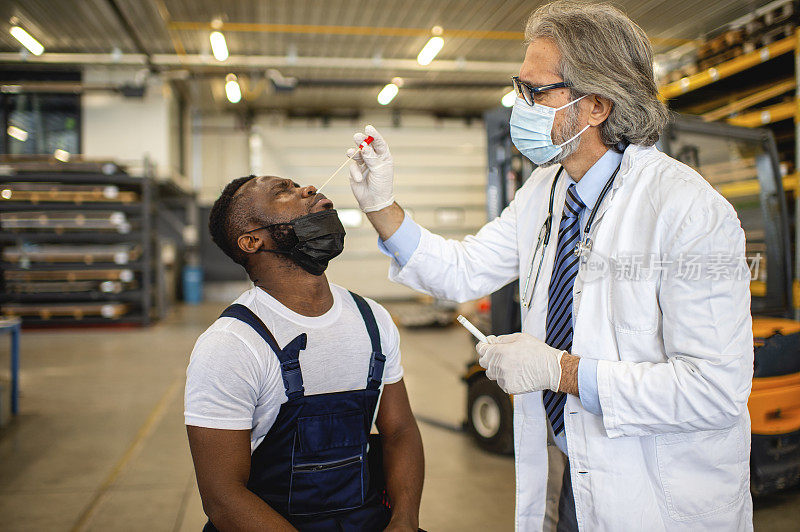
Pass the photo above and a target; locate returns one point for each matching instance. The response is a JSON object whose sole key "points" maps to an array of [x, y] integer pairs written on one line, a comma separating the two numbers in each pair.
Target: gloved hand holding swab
{"points": [[372, 172], [366, 142]]}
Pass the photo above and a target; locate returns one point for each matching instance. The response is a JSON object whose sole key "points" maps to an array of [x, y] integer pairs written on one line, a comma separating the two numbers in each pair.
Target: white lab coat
{"points": [[671, 450]]}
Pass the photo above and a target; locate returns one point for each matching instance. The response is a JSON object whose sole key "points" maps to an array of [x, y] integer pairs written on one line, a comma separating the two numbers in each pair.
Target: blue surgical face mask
{"points": [[532, 130]]}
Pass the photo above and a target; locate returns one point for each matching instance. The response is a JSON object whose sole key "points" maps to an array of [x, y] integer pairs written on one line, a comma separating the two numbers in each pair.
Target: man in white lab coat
{"points": [[635, 307]]}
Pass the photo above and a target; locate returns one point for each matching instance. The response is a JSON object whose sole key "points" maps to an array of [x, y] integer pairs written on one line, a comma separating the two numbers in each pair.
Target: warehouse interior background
{"points": [[122, 120]]}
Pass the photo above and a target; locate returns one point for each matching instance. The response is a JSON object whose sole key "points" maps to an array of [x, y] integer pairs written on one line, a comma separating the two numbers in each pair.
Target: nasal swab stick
{"points": [[364, 143], [471, 328]]}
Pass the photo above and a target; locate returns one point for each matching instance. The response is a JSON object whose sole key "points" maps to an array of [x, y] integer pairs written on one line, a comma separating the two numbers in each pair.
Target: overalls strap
{"points": [[289, 356], [378, 359]]}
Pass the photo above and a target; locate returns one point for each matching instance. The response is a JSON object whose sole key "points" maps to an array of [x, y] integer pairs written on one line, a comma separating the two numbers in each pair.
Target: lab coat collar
{"points": [[632, 154], [592, 182], [629, 156]]}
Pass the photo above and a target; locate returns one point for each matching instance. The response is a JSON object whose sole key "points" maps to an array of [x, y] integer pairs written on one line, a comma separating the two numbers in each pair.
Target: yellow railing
{"points": [[751, 187], [728, 68], [767, 115], [746, 102]]}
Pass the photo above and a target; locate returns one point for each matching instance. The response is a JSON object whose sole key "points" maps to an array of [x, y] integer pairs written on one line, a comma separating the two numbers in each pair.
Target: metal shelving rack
{"points": [[136, 297], [176, 222], [744, 112]]}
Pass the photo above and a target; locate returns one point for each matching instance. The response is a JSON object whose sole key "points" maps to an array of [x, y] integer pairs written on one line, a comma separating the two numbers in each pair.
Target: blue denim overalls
{"points": [[312, 465]]}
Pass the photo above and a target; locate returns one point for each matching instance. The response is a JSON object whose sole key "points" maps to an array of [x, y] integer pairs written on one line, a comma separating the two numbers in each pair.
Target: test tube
{"points": [[472, 329]]}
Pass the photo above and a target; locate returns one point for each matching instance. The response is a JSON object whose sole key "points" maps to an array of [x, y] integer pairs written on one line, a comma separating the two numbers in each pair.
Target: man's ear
{"points": [[249, 243], [599, 109]]}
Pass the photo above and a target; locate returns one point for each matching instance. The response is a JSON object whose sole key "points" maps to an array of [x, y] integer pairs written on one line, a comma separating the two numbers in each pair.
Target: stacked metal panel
{"points": [[75, 244]]}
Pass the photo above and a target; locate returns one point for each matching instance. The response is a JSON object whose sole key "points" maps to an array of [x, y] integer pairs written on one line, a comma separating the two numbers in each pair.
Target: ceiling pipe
{"points": [[363, 83], [71, 87], [262, 61]]}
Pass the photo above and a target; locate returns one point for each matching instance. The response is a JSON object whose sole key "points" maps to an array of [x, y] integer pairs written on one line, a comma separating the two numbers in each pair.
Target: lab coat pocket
{"points": [[702, 473], [634, 306]]}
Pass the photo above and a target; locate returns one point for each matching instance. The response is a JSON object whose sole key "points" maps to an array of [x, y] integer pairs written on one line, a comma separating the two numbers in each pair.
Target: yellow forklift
{"points": [[742, 164]]}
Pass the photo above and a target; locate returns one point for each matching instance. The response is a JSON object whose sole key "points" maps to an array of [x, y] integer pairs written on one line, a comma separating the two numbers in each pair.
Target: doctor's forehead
{"points": [[540, 66]]}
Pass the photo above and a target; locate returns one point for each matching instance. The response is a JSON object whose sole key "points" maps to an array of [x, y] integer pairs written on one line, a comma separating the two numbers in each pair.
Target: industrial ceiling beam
{"points": [[263, 61], [64, 87], [256, 27], [77, 87]]}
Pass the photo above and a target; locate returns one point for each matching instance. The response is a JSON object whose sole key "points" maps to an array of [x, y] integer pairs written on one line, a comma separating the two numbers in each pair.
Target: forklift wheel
{"points": [[489, 416]]}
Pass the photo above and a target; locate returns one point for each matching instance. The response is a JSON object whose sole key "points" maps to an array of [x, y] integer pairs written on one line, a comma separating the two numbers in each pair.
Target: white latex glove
{"points": [[521, 363], [372, 172]]}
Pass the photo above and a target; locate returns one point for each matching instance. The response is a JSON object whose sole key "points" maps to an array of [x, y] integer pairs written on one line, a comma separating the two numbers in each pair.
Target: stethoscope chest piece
{"points": [[583, 249]]}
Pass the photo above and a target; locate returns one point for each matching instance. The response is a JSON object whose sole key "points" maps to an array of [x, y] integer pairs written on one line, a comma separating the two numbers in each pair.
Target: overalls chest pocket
{"points": [[329, 463]]}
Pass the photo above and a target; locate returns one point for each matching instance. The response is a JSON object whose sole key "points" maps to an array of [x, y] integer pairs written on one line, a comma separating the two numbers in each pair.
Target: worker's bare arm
{"points": [[222, 465], [387, 221], [403, 458]]}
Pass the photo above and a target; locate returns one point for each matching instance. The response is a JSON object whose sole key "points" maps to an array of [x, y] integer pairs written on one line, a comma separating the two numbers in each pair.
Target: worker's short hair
{"points": [[229, 218], [603, 52]]}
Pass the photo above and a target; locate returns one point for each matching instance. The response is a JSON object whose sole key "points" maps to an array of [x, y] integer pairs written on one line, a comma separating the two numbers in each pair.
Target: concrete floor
{"points": [[100, 443]]}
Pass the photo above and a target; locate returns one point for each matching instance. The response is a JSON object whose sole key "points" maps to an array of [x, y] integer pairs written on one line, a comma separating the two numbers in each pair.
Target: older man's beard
{"points": [[568, 129]]}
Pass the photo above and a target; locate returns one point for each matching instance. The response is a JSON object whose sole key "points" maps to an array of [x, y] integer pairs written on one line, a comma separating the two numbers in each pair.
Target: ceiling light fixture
{"points": [[232, 89], [218, 46], [431, 48], [27, 40], [509, 98], [388, 93], [61, 155], [17, 133]]}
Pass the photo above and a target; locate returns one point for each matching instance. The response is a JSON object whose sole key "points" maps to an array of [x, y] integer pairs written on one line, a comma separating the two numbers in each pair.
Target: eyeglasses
{"points": [[529, 92]]}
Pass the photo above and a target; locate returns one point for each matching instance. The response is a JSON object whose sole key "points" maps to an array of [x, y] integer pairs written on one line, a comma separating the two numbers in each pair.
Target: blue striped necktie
{"points": [[559, 305]]}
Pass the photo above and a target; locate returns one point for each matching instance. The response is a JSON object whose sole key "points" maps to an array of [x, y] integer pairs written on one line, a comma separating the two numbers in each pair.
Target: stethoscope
{"points": [[582, 249]]}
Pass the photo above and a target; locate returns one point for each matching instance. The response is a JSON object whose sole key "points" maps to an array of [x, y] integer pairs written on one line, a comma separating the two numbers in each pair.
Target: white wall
{"points": [[128, 129], [219, 154], [440, 176]]}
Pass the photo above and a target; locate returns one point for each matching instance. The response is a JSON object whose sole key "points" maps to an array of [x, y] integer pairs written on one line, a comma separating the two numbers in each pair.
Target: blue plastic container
{"points": [[192, 284]]}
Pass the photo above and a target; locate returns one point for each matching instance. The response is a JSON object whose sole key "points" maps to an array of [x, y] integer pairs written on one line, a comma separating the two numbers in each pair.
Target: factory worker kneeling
{"points": [[635, 358], [283, 389]]}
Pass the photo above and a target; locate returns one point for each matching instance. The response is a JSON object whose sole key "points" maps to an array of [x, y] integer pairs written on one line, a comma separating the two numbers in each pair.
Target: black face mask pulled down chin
{"points": [[318, 238]]}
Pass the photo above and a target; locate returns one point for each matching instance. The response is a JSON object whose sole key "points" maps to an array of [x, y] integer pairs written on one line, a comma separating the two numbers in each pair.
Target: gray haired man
{"points": [[642, 381]]}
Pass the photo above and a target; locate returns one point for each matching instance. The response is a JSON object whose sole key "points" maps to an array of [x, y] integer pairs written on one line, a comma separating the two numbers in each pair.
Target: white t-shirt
{"points": [[234, 380]]}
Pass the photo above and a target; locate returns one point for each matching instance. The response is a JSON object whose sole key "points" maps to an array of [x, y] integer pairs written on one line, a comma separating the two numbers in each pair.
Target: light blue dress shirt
{"points": [[589, 189], [402, 244]]}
